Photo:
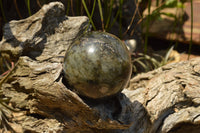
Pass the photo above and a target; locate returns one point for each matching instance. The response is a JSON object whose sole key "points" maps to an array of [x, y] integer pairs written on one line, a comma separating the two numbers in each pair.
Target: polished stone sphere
{"points": [[97, 65]]}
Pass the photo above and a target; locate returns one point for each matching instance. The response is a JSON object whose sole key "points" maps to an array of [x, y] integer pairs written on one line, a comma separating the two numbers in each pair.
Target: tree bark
{"points": [[165, 100]]}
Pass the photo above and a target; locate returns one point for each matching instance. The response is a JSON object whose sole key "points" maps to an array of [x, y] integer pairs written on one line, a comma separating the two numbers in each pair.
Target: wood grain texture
{"points": [[165, 100]]}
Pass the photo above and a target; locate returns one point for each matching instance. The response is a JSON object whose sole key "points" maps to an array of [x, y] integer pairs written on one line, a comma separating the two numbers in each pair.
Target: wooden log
{"points": [[165, 100]]}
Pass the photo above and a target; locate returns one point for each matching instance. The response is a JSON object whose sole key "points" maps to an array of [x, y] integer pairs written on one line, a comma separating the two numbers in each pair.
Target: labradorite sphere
{"points": [[97, 65]]}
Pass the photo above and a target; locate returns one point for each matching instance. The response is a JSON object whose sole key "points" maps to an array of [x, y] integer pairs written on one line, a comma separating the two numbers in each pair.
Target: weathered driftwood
{"points": [[164, 100]]}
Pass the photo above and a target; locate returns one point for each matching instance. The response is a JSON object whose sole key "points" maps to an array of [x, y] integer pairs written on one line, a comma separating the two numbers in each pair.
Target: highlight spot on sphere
{"points": [[97, 65]]}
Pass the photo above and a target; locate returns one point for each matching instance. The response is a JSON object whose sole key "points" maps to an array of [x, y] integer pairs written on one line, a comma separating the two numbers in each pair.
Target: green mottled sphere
{"points": [[97, 65]]}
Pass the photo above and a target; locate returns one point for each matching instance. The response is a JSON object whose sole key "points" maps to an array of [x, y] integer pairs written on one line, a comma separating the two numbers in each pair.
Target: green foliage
{"points": [[144, 63], [166, 4], [158, 12], [109, 17], [105, 14]]}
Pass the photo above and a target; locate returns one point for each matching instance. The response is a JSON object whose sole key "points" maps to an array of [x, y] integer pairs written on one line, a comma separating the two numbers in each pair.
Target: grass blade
{"points": [[133, 17], [101, 14], [29, 7], [90, 18], [68, 7], [109, 14], [142, 64], [168, 54], [94, 4], [115, 19]]}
